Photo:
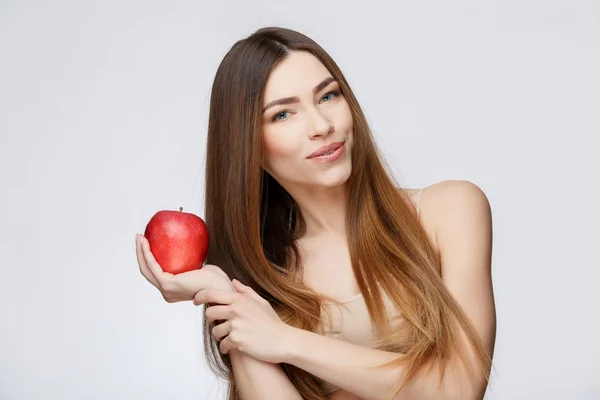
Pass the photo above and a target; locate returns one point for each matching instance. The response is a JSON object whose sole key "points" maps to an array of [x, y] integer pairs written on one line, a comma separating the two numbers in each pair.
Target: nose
{"points": [[320, 126]]}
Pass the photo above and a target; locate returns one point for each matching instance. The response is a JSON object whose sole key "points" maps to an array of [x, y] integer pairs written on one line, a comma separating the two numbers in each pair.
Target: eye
{"points": [[333, 93], [276, 117]]}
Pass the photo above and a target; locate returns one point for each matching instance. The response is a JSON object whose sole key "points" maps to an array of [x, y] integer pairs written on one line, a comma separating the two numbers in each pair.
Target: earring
{"points": [[290, 219]]}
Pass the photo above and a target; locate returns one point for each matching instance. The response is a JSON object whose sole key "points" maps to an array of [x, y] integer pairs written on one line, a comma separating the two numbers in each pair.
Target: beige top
{"points": [[351, 321]]}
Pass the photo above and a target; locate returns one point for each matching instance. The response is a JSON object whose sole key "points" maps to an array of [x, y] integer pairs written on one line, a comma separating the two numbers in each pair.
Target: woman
{"points": [[344, 286]]}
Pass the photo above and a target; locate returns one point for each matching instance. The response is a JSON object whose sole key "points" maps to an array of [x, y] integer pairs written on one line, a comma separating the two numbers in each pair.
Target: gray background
{"points": [[103, 113]]}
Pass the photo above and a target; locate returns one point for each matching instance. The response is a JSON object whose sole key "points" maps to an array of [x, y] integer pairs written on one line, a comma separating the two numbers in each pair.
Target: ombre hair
{"points": [[247, 213]]}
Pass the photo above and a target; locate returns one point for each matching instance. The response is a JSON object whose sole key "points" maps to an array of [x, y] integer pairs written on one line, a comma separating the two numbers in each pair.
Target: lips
{"points": [[326, 149]]}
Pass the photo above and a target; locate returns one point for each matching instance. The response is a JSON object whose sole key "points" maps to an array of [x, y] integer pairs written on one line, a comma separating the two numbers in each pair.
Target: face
{"points": [[312, 113]]}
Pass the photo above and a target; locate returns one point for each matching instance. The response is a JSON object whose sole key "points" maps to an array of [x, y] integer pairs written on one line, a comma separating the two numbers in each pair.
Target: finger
{"points": [[153, 265], [241, 288], [226, 345], [145, 271], [221, 330], [215, 296], [216, 313]]}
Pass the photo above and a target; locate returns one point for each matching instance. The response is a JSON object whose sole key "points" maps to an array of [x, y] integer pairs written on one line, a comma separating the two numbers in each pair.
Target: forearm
{"points": [[258, 380], [349, 367]]}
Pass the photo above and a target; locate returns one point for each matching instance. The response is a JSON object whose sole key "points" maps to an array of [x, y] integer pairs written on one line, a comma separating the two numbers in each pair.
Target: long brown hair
{"points": [[247, 213]]}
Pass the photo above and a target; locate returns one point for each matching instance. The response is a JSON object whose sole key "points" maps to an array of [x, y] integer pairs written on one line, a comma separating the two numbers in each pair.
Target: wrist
{"points": [[291, 344]]}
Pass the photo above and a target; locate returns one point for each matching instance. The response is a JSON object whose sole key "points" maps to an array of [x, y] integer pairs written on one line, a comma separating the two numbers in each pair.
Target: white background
{"points": [[103, 115]]}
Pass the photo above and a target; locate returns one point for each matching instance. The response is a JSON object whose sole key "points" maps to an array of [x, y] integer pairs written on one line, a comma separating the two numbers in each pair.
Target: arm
{"points": [[255, 380], [259, 380], [464, 236]]}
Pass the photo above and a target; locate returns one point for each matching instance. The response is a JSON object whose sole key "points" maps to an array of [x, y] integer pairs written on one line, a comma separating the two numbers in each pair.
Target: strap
{"points": [[419, 201]]}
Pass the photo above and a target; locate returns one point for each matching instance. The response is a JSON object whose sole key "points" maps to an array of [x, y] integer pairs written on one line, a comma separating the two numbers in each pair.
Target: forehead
{"points": [[296, 75]]}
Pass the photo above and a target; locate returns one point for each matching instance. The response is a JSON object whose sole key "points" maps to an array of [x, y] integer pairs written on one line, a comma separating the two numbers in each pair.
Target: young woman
{"points": [[325, 279]]}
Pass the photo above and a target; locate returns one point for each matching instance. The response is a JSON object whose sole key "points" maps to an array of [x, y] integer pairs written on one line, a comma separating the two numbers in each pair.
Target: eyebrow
{"points": [[294, 99]]}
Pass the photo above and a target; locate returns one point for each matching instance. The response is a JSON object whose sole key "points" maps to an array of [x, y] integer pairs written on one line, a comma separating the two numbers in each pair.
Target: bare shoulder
{"points": [[445, 199], [444, 204], [459, 214]]}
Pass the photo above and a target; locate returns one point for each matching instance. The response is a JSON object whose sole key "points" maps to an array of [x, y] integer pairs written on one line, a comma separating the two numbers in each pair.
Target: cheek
{"points": [[278, 149], [345, 118], [272, 146]]}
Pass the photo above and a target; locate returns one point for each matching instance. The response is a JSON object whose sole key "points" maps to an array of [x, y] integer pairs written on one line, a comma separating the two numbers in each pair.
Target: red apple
{"points": [[178, 240]]}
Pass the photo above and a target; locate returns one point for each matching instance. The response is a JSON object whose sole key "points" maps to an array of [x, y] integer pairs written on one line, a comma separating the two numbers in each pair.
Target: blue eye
{"points": [[335, 93], [282, 116], [275, 118]]}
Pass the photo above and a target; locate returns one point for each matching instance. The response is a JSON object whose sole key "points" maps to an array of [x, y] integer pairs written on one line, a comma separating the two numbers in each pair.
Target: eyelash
{"points": [[334, 92]]}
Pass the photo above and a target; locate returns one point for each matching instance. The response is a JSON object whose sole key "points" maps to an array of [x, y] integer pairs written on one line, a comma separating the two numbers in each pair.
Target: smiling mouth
{"points": [[329, 149], [331, 155]]}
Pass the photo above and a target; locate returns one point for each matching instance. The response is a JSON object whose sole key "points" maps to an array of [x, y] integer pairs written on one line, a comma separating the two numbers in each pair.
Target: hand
{"points": [[249, 325], [180, 287]]}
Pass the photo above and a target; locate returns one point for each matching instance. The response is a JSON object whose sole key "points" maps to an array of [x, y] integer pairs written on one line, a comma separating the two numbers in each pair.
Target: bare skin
{"points": [[459, 214], [456, 216], [331, 250]]}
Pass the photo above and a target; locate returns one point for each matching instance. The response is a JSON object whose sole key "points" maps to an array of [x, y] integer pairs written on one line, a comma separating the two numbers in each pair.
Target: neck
{"points": [[323, 209]]}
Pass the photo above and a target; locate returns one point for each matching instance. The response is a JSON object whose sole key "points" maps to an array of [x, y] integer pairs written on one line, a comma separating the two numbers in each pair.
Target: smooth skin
{"points": [[180, 287], [463, 236], [456, 215]]}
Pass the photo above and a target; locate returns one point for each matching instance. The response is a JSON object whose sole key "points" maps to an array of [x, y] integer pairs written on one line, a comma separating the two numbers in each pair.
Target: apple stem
{"points": [[180, 209]]}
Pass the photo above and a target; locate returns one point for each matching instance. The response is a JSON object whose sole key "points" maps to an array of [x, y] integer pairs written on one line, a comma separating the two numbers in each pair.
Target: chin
{"points": [[335, 178]]}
